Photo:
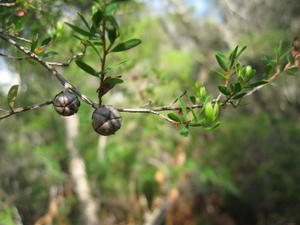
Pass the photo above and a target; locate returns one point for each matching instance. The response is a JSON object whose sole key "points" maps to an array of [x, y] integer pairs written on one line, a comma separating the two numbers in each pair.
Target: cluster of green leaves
{"points": [[205, 117], [12, 96], [238, 78], [101, 33]]}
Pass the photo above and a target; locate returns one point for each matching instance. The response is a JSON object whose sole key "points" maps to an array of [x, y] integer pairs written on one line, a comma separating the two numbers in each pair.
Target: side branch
{"points": [[24, 109], [52, 70], [15, 37], [13, 57], [273, 77], [8, 4], [78, 55]]}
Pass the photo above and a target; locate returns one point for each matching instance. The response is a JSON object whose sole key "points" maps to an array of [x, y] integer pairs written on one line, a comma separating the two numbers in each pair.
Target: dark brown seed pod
{"points": [[66, 103], [106, 120]]}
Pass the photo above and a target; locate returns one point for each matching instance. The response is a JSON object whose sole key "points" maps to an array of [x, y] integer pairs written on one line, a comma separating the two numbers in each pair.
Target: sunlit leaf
{"points": [[46, 41], [174, 117], [222, 60], [84, 20], [85, 67], [212, 127], [183, 107], [221, 75], [238, 96], [258, 83], [114, 80], [48, 54], [126, 45], [184, 132], [224, 90], [97, 18], [209, 112], [79, 30], [12, 96]]}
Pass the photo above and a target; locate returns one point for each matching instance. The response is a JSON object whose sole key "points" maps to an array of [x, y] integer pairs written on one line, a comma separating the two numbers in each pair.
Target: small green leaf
{"points": [[48, 54], [268, 68], [241, 51], [94, 47], [111, 9], [79, 30], [184, 131], [112, 35], [292, 72], [97, 17], [209, 112], [174, 117], [224, 90], [46, 41], [221, 75], [114, 80], [86, 68], [193, 99], [113, 22], [83, 20], [34, 43], [12, 96], [258, 83], [126, 45], [216, 110], [249, 73], [222, 60], [212, 127], [266, 58], [196, 125], [183, 107], [237, 88], [238, 96], [195, 117], [119, 1], [233, 55], [77, 37]]}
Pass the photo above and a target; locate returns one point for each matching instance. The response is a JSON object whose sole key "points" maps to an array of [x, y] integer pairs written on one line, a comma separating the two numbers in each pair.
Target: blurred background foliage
{"points": [[244, 172]]}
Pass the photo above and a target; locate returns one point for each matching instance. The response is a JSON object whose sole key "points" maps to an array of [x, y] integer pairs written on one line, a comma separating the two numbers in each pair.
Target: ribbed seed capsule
{"points": [[106, 120], [66, 103]]}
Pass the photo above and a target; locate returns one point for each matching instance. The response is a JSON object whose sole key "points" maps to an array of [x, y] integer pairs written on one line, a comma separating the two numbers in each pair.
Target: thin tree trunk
{"points": [[88, 204]]}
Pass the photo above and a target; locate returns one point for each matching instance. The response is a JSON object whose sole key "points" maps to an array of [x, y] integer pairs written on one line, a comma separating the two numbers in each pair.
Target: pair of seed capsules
{"points": [[106, 119]]}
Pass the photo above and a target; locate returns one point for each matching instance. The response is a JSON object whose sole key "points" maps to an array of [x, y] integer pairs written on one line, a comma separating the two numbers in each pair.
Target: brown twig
{"points": [[8, 4], [13, 57], [24, 109], [78, 55], [273, 77], [66, 84], [15, 37], [176, 100]]}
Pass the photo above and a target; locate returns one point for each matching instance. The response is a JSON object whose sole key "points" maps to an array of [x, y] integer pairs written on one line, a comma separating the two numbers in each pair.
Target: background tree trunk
{"points": [[77, 170]]}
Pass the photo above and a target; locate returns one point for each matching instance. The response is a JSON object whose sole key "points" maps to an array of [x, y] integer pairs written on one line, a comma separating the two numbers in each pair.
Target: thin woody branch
{"points": [[24, 109], [15, 37], [14, 57], [8, 4], [273, 77], [66, 84], [78, 55]]}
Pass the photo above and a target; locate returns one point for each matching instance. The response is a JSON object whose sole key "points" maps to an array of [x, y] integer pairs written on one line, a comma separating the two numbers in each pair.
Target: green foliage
{"points": [[12, 96]]}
